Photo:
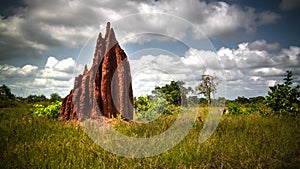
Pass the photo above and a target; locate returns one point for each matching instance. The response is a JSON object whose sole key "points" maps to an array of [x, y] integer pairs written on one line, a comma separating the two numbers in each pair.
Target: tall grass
{"points": [[241, 141]]}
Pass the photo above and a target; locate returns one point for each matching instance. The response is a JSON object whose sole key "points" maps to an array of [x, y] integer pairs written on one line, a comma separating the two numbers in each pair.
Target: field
{"points": [[240, 141]]}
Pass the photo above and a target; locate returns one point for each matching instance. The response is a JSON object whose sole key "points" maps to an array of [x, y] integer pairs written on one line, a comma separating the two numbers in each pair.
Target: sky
{"points": [[247, 44]]}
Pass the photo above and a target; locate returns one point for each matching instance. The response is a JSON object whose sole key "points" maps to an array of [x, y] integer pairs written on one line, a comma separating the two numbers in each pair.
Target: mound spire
{"points": [[105, 89]]}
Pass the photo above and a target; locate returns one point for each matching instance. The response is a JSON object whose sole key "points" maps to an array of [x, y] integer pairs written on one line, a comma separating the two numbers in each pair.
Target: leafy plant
{"points": [[284, 98], [172, 109], [235, 110], [55, 97], [175, 93], [157, 108], [207, 87], [7, 99], [142, 103], [51, 111]]}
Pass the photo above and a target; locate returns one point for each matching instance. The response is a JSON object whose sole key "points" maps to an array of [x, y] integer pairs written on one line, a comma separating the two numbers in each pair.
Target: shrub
{"points": [[142, 103], [234, 110], [172, 109], [156, 109], [284, 98], [51, 111]]}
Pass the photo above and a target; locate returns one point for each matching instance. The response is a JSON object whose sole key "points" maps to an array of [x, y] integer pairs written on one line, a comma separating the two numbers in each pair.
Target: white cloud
{"points": [[55, 76], [51, 62], [271, 82], [37, 28], [66, 65], [59, 70], [263, 45], [248, 70], [241, 68], [9, 71], [267, 71]]}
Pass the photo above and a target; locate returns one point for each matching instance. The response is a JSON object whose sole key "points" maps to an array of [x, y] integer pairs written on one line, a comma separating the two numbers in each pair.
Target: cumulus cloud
{"points": [[55, 76], [9, 71], [247, 70], [35, 27], [59, 70]]}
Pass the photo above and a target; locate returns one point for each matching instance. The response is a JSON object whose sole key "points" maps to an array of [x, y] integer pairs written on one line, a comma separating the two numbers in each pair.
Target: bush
{"points": [[235, 110], [172, 109], [156, 109], [142, 103], [51, 111], [284, 98]]}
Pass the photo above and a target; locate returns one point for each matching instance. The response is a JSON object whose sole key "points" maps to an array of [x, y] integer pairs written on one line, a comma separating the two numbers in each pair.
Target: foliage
{"points": [[51, 111], [175, 93], [207, 87], [55, 97], [7, 99], [36, 98], [245, 141], [284, 99], [172, 109], [155, 110], [5, 93], [141, 103], [235, 110]]}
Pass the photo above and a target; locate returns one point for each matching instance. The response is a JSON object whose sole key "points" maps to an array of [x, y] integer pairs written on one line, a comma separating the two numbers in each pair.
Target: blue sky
{"points": [[247, 44]]}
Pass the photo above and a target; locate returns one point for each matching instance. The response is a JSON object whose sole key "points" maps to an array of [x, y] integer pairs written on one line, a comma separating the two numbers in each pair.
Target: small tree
{"points": [[55, 97], [284, 98], [207, 87], [7, 99], [174, 92], [6, 93]]}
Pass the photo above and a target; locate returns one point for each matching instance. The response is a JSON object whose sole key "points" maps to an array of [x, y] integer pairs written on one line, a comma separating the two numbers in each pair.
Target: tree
{"points": [[242, 100], [207, 87], [35, 98], [284, 99], [6, 93], [175, 93], [7, 99], [55, 97]]}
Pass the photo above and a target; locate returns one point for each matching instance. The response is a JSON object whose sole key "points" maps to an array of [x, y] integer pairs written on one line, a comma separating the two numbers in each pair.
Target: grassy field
{"points": [[241, 141]]}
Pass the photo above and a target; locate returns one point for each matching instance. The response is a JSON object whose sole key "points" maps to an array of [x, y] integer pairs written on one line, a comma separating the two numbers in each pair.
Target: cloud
{"points": [[55, 76], [8, 71], [267, 71], [36, 28], [247, 70], [59, 70], [287, 5]]}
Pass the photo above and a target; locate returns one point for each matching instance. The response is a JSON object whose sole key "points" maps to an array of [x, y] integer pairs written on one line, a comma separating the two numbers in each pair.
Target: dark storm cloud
{"points": [[39, 26], [9, 7]]}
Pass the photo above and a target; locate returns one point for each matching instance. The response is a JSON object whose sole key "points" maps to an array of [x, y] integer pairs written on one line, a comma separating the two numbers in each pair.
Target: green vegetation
{"points": [[51, 111], [207, 87], [55, 97], [256, 132], [7, 99], [175, 93], [244, 141], [284, 99]]}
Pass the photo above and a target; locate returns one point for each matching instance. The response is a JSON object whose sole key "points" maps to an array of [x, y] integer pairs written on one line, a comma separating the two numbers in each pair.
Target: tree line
{"points": [[8, 99]]}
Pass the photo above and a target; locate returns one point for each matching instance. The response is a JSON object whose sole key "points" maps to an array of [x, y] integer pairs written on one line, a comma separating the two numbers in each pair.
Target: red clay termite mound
{"points": [[105, 89]]}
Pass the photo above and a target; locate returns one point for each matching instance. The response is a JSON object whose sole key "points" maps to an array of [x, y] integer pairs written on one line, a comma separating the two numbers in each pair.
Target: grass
{"points": [[241, 141]]}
